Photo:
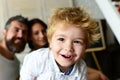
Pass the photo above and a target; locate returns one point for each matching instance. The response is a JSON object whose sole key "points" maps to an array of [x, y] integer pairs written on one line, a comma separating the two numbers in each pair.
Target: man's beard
{"points": [[15, 48]]}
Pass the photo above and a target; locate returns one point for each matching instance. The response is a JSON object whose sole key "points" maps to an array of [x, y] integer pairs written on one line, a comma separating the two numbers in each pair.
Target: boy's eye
{"points": [[61, 39], [78, 42]]}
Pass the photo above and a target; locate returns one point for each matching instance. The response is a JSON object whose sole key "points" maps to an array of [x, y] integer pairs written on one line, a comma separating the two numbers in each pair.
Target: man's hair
{"points": [[76, 16], [18, 18]]}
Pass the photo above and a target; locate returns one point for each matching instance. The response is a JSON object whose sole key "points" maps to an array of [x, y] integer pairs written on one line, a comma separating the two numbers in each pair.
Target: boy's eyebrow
{"points": [[81, 38], [60, 35]]}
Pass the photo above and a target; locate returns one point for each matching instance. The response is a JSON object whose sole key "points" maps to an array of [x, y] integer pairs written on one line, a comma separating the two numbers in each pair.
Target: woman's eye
{"points": [[36, 33], [61, 39]]}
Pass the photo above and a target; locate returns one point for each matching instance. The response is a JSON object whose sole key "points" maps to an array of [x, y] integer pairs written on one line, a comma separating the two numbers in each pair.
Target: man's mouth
{"points": [[17, 41]]}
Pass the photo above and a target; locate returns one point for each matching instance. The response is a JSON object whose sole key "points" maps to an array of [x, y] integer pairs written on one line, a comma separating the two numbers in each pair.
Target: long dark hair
{"points": [[31, 23]]}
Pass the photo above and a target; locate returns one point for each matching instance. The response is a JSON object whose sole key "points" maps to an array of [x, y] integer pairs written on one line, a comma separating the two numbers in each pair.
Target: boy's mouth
{"points": [[68, 57]]}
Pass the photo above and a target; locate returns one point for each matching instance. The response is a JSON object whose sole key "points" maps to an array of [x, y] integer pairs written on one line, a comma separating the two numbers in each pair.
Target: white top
{"points": [[9, 69], [40, 65]]}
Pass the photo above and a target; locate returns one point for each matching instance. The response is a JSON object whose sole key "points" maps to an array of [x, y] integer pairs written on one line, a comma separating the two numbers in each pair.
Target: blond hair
{"points": [[77, 16]]}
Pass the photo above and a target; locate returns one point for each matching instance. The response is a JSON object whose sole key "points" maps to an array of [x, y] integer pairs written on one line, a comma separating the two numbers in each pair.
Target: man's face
{"points": [[16, 37]]}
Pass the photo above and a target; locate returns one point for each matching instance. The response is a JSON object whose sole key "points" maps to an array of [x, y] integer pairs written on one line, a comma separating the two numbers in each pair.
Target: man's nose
{"points": [[20, 34]]}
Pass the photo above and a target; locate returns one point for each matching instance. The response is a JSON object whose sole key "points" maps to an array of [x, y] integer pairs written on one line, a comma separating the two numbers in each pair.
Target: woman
{"points": [[37, 34]]}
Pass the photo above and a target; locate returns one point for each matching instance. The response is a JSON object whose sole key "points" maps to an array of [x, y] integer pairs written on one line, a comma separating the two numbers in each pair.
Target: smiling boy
{"points": [[70, 31]]}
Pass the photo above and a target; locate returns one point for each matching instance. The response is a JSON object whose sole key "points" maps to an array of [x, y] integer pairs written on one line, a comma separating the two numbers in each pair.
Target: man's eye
{"points": [[61, 39], [25, 32], [16, 29]]}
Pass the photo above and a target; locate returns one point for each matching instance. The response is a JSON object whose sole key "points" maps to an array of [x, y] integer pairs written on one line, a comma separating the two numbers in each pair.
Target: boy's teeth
{"points": [[66, 56]]}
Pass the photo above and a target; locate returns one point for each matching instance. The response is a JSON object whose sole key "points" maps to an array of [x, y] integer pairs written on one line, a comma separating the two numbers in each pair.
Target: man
{"points": [[14, 41]]}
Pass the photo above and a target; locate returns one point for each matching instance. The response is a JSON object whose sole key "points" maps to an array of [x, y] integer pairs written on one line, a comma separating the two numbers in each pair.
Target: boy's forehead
{"points": [[63, 25], [69, 28]]}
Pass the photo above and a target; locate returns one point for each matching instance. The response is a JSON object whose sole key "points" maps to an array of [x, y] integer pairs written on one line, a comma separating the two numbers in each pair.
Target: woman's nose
{"points": [[41, 35]]}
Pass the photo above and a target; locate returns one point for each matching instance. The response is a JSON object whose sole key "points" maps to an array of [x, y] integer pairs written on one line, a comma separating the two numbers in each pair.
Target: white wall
{"points": [[3, 14]]}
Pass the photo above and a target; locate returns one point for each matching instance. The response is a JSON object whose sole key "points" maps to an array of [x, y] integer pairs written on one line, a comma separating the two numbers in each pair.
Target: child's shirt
{"points": [[40, 65]]}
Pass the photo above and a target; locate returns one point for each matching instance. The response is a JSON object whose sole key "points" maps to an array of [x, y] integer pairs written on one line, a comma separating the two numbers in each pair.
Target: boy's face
{"points": [[67, 44]]}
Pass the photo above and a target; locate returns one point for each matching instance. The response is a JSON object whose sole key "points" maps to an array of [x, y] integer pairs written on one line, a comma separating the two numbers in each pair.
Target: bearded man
{"points": [[13, 41]]}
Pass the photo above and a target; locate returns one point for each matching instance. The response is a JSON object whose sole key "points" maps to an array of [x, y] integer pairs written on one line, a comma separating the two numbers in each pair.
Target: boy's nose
{"points": [[68, 46]]}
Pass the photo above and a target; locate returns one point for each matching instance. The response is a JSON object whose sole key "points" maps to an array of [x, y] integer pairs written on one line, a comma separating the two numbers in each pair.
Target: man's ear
{"points": [[4, 32]]}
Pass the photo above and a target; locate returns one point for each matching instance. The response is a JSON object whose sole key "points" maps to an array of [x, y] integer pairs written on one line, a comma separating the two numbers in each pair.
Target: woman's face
{"points": [[38, 36]]}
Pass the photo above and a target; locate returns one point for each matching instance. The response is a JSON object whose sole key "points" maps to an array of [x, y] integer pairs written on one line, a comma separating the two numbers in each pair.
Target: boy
{"points": [[70, 31]]}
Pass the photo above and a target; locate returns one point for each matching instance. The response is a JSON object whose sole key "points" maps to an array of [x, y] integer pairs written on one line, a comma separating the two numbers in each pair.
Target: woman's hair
{"points": [[76, 16], [31, 23]]}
